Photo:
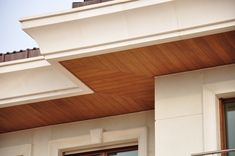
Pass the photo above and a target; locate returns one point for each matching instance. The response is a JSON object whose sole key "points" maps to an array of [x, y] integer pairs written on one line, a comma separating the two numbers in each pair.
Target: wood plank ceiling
{"points": [[123, 81]]}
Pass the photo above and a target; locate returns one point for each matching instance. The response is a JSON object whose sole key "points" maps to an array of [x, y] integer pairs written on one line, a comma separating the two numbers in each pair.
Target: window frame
{"points": [[106, 152], [223, 132]]}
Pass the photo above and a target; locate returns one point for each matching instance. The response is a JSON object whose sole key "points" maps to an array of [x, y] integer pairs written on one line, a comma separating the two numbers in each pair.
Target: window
{"points": [[228, 124], [126, 151]]}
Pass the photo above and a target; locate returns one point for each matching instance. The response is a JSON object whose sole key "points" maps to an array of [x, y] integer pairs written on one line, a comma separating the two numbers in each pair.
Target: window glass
{"points": [[230, 126], [86, 154], [128, 153]]}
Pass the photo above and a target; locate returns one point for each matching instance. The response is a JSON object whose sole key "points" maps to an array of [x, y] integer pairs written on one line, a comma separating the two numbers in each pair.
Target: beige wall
{"points": [[187, 110], [40, 137]]}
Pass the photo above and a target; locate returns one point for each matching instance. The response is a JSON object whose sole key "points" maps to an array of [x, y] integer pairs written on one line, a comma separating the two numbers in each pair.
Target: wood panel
{"points": [[223, 143], [123, 81]]}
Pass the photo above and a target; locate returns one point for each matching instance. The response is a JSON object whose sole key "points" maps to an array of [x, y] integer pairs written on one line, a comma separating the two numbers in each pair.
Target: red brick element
{"points": [[87, 2], [1, 58], [33, 52], [15, 55], [22, 54]]}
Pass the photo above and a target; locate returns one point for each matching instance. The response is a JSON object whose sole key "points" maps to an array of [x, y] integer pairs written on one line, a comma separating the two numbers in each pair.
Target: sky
{"points": [[12, 38]]}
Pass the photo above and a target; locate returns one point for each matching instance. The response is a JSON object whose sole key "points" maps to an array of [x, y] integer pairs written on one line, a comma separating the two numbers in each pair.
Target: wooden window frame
{"points": [[223, 132], [107, 151]]}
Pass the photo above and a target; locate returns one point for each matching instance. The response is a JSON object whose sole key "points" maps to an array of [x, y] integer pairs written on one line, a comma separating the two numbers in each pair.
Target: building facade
{"points": [[125, 78]]}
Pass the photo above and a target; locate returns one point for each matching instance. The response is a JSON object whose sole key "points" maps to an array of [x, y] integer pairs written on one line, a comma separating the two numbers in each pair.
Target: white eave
{"points": [[35, 79], [89, 11], [124, 24], [23, 64]]}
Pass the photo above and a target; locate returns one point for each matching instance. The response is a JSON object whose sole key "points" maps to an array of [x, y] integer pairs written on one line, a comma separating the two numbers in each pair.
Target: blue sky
{"points": [[11, 36]]}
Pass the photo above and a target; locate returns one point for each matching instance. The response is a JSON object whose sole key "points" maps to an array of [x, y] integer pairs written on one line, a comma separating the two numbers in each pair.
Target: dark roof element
{"points": [[22, 54], [87, 2]]}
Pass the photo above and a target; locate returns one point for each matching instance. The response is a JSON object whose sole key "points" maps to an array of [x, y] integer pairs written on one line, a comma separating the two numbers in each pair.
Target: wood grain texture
{"points": [[222, 127], [123, 82]]}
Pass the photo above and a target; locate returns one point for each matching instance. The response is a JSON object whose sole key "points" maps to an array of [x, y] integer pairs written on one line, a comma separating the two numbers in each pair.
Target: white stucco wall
{"points": [[186, 111], [37, 140]]}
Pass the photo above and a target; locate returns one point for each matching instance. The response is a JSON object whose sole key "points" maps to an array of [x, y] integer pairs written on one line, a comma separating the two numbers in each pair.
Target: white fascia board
{"points": [[141, 41], [35, 79], [86, 12], [124, 25], [23, 64], [43, 96]]}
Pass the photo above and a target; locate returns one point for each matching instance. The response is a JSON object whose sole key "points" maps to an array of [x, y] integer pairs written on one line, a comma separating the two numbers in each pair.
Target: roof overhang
{"points": [[119, 25], [150, 38], [35, 79]]}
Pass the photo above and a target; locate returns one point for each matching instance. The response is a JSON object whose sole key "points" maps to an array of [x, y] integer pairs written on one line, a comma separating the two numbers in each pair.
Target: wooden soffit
{"points": [[123, 82]]}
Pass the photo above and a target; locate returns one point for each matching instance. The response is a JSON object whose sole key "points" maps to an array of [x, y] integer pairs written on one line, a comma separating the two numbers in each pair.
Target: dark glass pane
{"points": [[124, 151], [230, 126], [127, 153], [84, 155]]}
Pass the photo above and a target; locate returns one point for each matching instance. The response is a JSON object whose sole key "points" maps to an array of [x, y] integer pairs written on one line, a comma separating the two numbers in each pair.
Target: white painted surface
{"points": [[80, 32], [211, 133], [186, 111], [23, 64], [218, 83], [44, 83], [40, 138], [32, 81], [181, 90], [96, 135], [179, 136], [21, 150], [110, 139], [195, 13]]}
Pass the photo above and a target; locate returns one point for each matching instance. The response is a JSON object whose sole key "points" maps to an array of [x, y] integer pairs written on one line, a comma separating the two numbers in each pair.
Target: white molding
{"points": [[49, 95], [23, 64], [211, 95], [31, 59], [21, 150], [142, 41], [210, 125], [96, 135], [108, 139]]}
